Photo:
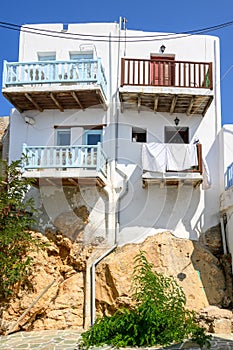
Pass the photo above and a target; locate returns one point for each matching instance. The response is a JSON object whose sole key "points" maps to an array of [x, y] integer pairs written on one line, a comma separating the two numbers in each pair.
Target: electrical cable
{"points": [[104, 38]]}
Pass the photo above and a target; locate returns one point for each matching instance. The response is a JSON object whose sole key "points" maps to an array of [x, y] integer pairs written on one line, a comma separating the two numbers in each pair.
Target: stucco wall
{"points": [[187, 211]]}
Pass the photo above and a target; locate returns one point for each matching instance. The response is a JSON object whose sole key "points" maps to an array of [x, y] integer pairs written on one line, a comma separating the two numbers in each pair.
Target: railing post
{"points": [[98, 161], [122, 71], [98, 70], [4, 76], [211, 75], [199, 155]]}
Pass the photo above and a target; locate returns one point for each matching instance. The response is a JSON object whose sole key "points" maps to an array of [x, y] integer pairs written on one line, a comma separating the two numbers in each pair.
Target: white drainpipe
{"points": [[93, 306], [223, 233]]}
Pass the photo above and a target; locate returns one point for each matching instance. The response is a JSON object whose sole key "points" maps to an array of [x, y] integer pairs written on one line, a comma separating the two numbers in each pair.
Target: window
{"points": [[138, 135], [87, 55], [175, 134], [47, 56], [92, 137], [63, 137]]}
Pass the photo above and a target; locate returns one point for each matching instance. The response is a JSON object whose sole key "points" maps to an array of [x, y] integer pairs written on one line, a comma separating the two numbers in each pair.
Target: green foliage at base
{"points": [[158, 318], [15, 221]]}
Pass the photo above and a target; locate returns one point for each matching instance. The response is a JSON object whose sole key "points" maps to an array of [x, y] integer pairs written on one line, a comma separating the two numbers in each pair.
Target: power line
{"points": [[105, 38]]}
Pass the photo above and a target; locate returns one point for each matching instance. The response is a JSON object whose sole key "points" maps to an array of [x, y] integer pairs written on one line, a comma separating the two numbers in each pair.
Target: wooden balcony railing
{"points": [[53, 72], [182, 74], [168, 148], [65, 157], [199, 167]]}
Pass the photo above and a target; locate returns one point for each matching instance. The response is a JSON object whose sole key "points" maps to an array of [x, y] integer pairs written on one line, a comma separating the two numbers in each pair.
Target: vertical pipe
{"points": [[223, 233]]}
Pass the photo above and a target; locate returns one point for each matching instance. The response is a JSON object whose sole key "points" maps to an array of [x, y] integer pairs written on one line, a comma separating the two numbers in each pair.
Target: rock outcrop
{"points": [[196, 269], [58, 271], [54, 295]]}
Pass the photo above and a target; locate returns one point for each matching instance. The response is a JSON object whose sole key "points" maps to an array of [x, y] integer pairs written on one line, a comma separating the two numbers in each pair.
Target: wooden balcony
{"points": [[74, 84], [69, 165], [166, 85], [188, 176]]}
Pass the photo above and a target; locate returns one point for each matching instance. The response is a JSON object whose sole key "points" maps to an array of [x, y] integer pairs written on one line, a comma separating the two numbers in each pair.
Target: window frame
{"points": [[64, 130], [92, 132], [138, 130], [46, 56], [80, 55]]}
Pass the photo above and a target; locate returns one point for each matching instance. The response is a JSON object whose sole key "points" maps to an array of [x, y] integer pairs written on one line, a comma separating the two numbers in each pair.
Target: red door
{"points": [[162, 70]]}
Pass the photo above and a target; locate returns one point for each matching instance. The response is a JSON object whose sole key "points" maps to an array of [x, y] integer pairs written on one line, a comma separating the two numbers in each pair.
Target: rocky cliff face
{"points": [[59, 271]]}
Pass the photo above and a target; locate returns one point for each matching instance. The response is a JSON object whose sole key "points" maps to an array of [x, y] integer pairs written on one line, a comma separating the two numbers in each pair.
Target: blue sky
{"points": [[149, 15]]}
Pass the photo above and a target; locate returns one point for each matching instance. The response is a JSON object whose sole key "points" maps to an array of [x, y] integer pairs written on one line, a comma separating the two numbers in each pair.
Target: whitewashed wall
{"points": [[226, 198], [186, 212]]}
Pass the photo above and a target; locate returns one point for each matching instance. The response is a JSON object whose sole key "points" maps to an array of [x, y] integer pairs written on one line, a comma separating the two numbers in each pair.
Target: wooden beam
{"points": [[33, 102], [161, 185], [75, 97], [173, 104], [12, 102], [121, 104], [101, 100], [188, 112], [180, 184], [156, 102], [74, 182], [139, 103], [56, 102], [207, 105], [144, 184]]}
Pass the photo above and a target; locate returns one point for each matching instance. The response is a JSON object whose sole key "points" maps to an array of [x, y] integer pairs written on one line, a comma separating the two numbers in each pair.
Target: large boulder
{"points": [[195, 268]]}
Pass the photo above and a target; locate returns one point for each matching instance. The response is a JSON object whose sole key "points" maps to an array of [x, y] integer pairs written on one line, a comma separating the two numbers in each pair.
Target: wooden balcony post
{"points": [[122, 72], [199, 156], [211, 75]]}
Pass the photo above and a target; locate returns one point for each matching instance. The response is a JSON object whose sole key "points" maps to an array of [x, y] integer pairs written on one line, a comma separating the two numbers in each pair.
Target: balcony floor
{"points": [[170, 179], [56, 96], [71, 177], [166, 99]]}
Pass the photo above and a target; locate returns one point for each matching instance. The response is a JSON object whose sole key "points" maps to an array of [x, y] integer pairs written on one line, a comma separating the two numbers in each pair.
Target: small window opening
{"points": [[46, 56], [63, 137], [174, 134], [81, 55], [138, 135]]}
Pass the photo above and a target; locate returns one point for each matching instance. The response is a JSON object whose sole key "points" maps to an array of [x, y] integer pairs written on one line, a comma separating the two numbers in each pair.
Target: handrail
{"points": [[63, 157], [162, 72], [53, 72]]}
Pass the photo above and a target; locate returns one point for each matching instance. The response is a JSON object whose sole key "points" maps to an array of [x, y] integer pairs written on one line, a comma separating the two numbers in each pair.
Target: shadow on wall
{"points": [[78, 213]]}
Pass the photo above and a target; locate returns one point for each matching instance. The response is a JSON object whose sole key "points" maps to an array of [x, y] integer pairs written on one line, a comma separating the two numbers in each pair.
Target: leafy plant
{"points": [[15, 221], [159, 316]]}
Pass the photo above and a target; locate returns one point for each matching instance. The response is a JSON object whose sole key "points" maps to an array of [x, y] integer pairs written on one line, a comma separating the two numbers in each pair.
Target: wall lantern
{"points": [[162, 48], [176, 121]]}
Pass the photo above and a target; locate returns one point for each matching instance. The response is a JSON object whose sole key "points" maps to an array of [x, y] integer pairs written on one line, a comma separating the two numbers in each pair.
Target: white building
{"points": [[109, 119], [226, 198]]}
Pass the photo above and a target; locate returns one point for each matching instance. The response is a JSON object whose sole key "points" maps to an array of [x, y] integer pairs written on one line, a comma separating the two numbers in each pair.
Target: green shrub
{"points": [[15, 221], [159, 316]]}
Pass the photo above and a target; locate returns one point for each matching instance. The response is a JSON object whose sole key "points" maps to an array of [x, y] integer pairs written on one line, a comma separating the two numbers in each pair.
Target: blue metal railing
{"points": [[84, 71], [229, 176], [65, 157]]}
